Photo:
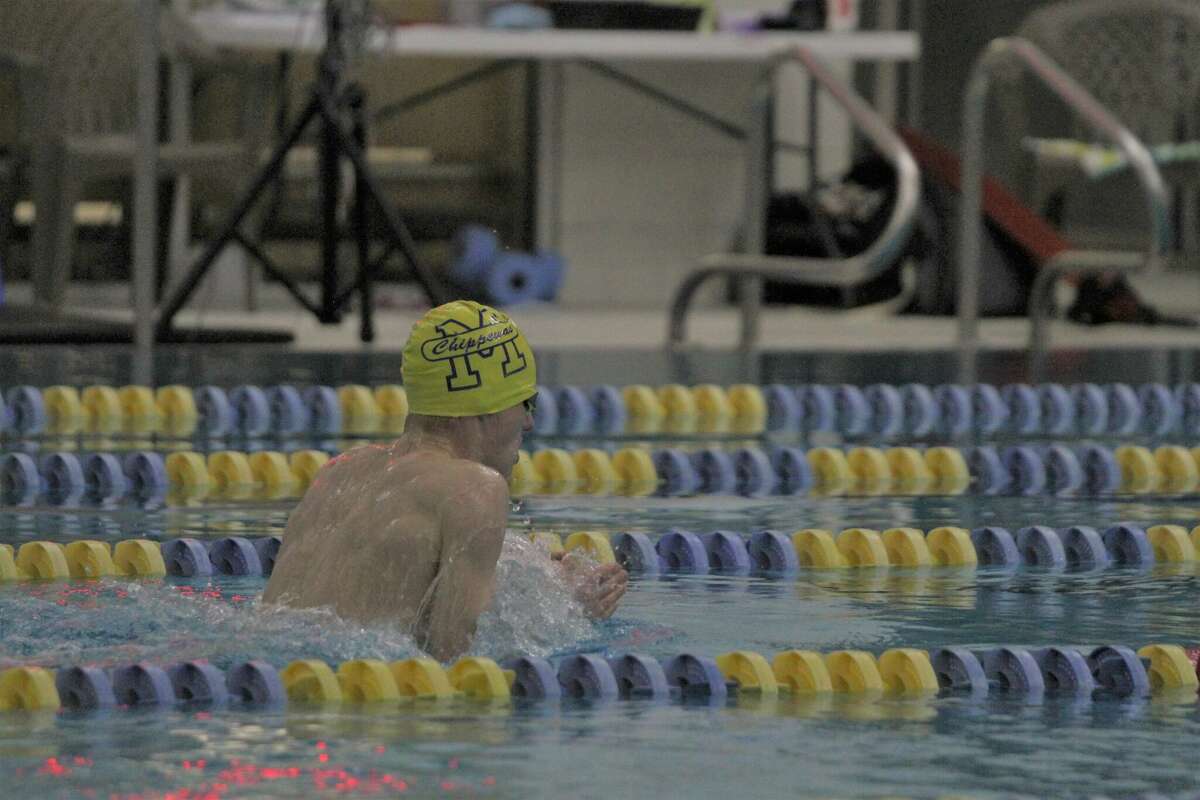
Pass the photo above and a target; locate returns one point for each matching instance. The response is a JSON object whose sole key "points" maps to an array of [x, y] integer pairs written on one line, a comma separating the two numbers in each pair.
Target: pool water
{"points": [[818, 746], [801, 747]]}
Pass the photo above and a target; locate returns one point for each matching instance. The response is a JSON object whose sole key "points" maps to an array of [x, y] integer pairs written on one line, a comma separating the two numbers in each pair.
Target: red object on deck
{"points": [[1002, 208]]}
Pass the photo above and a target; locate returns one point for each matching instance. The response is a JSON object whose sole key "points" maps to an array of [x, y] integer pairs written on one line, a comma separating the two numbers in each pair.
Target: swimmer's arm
{"points": [[472, 527]]}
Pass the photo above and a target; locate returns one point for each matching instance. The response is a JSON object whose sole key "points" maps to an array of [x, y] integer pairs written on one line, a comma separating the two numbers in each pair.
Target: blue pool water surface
{"points": [[827, 746]]}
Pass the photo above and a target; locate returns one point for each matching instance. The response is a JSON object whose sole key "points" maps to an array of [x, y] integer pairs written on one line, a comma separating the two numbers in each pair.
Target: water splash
{"points": [[532, 611], [112, 622]]}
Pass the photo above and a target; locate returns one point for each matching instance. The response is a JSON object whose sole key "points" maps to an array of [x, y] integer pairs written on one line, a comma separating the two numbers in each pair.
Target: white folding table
{"points": [[545, 51]]}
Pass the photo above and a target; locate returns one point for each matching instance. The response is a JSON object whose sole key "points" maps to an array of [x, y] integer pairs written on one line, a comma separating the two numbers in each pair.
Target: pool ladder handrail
{"points": [[1002, 52], [752, 267]]}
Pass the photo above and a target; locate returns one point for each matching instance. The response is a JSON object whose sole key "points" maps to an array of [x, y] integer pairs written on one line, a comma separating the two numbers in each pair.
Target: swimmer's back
{"points": [[367, 538]]}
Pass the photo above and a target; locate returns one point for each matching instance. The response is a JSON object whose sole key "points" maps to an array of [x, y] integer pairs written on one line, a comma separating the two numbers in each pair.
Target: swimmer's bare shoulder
{"points": [[472, 509]]}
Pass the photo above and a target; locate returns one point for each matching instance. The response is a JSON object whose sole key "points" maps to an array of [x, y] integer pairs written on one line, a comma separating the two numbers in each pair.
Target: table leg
{"points": [[545, 131]]}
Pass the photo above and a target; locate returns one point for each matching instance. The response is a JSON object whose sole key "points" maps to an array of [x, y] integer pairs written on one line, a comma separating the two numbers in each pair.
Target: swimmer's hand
{"points": [[597, 587]]}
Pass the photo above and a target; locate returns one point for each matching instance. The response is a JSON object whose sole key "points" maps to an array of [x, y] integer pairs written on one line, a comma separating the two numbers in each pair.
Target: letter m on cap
{"points": [[463, 374]]}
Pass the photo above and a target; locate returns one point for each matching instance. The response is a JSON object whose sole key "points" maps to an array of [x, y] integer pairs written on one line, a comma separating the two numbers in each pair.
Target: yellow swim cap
{"points": [[463, 359]]}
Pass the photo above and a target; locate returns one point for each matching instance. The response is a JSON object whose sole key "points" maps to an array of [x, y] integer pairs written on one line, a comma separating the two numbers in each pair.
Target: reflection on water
{"points": [[998, 745], [803, 747]]}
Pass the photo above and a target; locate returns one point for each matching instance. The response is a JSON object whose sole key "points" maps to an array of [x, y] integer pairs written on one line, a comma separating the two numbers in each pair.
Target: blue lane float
{"points": [[1128, 545], [1041, 546], [954, 410], [1026, 470], [1024, 408], [610, 410], [84, 688], [62, 476], [1159, 409], [1084, 547], [920, 409], [1101, 472], [886, 408], [576, 415], [26, 410], [147, 475], [235, 555], [587, 677], [1012, 669], [267, 548], [1057, 409], [1064, 670], [1124, 410], [715, 471], [989, 474], [288, 412], [1064, 473], [104, 478], [771, 551], [1188, 398], [536, 678], [20, 480], [783, 408], [1091, 409], [988, 409], [995, 547], [186, 558], [545, 412], [683, 551], [852, 413], [640, 676], [635, 552], [198, 682], [754, 475], [958, 670], [696, 677], [727, 552], [1118, 671], [252, 409], [255, 683], [677, 477], [324, 410], [817, 408], [142, 685], [792, 470], [215, 416]]}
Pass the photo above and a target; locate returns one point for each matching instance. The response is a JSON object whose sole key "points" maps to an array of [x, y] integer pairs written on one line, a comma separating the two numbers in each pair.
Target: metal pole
{"points": [[145, 192], [974, 105], [180, 133], [759, 165]]}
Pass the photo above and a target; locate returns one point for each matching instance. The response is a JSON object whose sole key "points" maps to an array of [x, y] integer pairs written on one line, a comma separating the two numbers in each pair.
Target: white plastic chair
{"points": [[1141, 60], [76, 65]]}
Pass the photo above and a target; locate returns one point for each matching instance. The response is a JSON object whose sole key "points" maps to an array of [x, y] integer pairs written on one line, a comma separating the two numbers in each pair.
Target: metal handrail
{"points": [[752, 266], [999, 52]]}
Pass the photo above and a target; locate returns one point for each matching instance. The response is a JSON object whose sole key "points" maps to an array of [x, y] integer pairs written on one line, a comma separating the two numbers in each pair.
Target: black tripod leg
{"points": [[264, 179], [329, 177], [362, 232], [434, 289]]}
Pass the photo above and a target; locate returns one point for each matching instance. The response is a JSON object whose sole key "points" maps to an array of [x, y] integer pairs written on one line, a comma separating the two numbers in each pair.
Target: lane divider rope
{"points": [[1108, 671]]}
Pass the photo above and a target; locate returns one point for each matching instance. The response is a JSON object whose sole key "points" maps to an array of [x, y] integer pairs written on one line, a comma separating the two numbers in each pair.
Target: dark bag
{"points": [[845, 219]]}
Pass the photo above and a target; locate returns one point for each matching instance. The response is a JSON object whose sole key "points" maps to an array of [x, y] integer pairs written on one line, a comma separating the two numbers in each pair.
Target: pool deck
{"points": [[871, 328]]}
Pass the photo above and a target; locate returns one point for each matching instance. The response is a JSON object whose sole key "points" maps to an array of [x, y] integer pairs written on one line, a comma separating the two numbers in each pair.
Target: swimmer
{"points": [[410, 533]]}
